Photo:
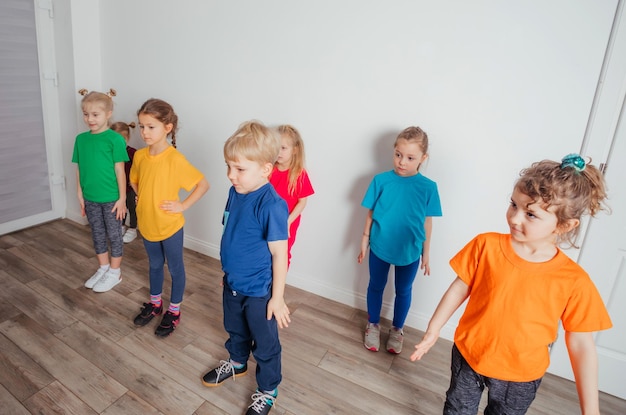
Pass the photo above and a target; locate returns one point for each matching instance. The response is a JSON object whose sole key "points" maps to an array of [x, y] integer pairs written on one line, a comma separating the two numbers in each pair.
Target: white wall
{"points": [[497, 85]]}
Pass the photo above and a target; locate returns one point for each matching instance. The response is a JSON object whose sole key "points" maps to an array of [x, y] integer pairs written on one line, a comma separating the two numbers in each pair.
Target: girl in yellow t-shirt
{"points": [[520, 285], [159, 171]]}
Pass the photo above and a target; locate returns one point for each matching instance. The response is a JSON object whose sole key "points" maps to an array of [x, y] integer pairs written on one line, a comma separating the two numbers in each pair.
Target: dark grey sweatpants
{"points": [[503, 397]]}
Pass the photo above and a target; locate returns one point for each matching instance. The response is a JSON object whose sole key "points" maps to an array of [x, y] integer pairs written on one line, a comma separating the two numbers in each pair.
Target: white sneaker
{"points": [[95, 278], [372, 337], [394, 343], [107, 282], [130, 235]]}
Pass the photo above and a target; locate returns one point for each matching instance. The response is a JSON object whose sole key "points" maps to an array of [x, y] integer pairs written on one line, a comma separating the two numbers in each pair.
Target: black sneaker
{"points": [[224, 371], [148, 311], [168, 324], [262, 403]]}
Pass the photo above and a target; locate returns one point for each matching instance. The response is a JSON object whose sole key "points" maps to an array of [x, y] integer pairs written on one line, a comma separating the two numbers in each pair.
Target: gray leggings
{"points": [[466, 388], [104, 224]]}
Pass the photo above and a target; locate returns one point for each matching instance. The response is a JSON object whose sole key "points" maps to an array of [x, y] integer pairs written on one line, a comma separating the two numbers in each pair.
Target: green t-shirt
{"points": [[96, 155]]}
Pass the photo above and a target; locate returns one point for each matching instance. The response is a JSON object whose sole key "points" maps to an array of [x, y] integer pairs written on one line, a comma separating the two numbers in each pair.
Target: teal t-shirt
{"points": [[96, 155], [399, 207]]}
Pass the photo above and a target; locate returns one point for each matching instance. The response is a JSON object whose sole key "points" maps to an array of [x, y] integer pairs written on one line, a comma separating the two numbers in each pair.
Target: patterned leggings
{"points": [[104, 226]]}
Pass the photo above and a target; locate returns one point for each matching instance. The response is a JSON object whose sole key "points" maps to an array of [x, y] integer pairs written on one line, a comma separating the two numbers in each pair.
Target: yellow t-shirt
{"points": [[160, 178], [514, 308]]}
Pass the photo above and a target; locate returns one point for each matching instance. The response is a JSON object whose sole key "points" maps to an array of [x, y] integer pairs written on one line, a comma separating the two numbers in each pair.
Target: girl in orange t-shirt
{"points": [[520, 285]]}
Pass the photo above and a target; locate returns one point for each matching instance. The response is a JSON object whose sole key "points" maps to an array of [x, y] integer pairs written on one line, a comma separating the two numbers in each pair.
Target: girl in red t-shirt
{"points": [[290, 178]]}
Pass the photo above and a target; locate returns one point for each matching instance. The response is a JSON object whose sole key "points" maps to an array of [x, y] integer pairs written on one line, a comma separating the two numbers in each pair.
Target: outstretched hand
{"points": [[424, 346]]}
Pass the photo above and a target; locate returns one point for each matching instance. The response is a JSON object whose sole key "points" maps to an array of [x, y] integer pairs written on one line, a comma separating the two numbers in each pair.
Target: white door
{"points": [[30, 190], [603, 248], [604, 257]]}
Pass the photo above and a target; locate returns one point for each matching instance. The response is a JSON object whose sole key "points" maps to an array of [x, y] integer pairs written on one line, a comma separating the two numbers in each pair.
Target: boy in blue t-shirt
{"points": [[253, 252]]}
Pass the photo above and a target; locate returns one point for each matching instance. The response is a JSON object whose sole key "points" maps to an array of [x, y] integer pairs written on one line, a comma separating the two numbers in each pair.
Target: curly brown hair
{"points": [[572, 193]]}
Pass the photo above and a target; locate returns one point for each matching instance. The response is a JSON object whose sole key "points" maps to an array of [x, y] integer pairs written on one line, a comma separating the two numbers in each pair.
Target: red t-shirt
{"points": [[280, 181]]}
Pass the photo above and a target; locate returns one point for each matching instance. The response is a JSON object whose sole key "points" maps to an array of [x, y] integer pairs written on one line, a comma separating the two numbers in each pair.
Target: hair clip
{"points": [[573, 160], [132, 124], [83, 91]]}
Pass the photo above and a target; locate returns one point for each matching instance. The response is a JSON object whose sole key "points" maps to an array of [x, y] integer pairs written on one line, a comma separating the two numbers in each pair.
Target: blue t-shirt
{"points": [[251, 221], [399, 207]]}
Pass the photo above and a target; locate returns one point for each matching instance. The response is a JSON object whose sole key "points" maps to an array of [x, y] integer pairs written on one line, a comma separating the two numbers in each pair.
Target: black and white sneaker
{"points": [[224, 371], [262, 403]]}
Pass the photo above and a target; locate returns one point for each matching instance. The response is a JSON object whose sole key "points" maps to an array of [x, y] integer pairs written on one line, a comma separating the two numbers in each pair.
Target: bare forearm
{"points": [[584, 360], [456, 294], [120, 175], [278, 250], [297, 210], [428, 228], [201, 188]]}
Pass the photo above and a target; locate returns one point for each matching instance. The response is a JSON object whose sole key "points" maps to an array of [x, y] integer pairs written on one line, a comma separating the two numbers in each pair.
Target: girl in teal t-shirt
{"points": [[398, 227]]}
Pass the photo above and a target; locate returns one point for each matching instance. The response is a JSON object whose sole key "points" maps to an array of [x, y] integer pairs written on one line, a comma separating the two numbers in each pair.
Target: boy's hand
{"points": [[277, 308]]}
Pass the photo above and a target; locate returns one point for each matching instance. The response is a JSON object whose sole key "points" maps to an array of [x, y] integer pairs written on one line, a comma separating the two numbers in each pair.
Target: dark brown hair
{"points": [[163, 112]]}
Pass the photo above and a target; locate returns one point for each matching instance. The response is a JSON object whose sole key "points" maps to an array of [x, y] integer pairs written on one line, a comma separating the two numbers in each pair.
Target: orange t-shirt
{"points": [[514, 307]]}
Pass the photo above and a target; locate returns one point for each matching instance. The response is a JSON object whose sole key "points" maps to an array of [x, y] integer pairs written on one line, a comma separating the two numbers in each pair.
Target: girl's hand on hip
{"points": [[171, 206]]}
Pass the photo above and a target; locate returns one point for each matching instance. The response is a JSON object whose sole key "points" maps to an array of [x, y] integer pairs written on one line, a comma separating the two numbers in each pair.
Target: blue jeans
{"points": [[249, 330], [467, 386], [172, 250], [404, 277]]}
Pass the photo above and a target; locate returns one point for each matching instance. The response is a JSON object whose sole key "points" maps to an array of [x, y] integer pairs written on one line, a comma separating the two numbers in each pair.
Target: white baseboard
{"points": [[358, 300], [201, 246], [76, 217]]}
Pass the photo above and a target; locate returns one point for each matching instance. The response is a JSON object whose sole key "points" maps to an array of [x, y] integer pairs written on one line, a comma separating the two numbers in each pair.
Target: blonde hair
{"points": [[94, 97], [572, 191], [122, 128], [297, 163], [415, 134], [253, 141]]}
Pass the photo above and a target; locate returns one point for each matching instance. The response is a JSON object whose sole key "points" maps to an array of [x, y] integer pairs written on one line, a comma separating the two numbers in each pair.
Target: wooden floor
{"points": [[67, 350]]}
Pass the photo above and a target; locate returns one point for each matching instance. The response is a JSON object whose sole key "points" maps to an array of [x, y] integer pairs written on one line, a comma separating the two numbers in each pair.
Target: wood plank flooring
{"points": [[67, 350]]}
